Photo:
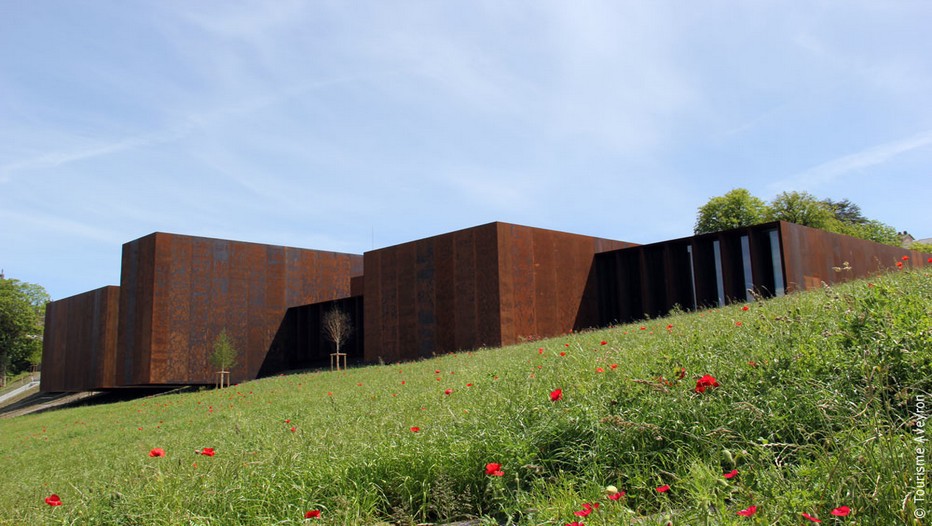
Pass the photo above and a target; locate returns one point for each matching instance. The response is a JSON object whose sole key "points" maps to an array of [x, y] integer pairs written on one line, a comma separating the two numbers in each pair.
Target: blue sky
{"points": [[348, 126]]}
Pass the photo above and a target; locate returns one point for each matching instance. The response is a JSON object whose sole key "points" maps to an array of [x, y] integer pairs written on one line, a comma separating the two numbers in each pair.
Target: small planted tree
{"points": [[224, 356], [337, 327]]}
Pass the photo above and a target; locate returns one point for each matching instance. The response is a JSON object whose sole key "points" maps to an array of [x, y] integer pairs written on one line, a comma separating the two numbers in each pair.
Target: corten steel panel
{"points": [[547, 278], [357, 285], [425, 306], [465, 290], [810, 254], [444, 315], [179, 292], [488, 289], [489, 285], [80, 341], [431, 296], [517, 290], [137, 286]]}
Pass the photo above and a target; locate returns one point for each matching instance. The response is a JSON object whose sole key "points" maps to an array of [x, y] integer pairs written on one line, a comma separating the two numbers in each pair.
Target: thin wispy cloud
{"points": [[191, 124], [60, 158], [835, 169]]}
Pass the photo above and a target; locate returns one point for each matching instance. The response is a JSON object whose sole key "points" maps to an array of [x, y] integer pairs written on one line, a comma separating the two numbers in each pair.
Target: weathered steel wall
{"points": [[179, 292], [810, 256], [433, 295], [80, 342], [545, 282], [719, 268], [489, 285]]}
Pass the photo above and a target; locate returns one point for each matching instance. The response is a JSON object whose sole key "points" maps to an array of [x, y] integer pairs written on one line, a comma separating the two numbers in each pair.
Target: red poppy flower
{"points": [[287, 420], [603, 342], [738, 324], [643, 328], [617, 495], [929, 261], [556, 394], [669, 326], [747, 512], [841, 511], [810, 518], [540, 351], [494, 469], [899, 264], [312, 514], [436, 371], [157, 452], [293, 429], [587, 509], [448, 392], [663, 489], [705, 382], [562, 353], [575, 523], [415, 429], [745, 308], [207, 452], [53, 500], [905, 258], [731, 474], [599, 370], [752, 363], [614, 366]]}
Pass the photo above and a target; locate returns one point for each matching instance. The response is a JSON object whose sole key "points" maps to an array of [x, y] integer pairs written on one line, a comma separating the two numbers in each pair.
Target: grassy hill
{"points": [[813, 408]]}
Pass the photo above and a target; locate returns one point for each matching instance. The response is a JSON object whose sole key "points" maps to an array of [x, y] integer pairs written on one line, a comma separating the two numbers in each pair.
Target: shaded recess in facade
{"points": [[488, 286]]}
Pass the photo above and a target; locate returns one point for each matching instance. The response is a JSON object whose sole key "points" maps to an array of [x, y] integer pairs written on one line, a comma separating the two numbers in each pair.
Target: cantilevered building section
{"points": [[179, 292], [79, 347], [490, 285]]}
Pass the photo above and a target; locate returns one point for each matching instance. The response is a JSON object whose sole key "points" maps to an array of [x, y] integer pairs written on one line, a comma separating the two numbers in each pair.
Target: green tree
{"points": [[921, 247], [22, 319], [801, 208], [735, 209], [846, 212], [225, 353], [871, 230], [849, 220]]}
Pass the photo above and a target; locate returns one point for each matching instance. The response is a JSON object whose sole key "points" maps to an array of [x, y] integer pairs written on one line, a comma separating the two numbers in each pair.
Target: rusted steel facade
{"points": [[812, 255], [770, 259], [80, 341], [490, 285], [179, 292]]}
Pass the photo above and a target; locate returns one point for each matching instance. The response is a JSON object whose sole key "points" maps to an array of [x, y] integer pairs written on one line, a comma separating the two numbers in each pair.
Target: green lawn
{"points": [[814, 408]]}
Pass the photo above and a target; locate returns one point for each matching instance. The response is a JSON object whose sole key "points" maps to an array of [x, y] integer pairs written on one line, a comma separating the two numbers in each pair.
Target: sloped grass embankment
{"points": [[814, 412]]}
